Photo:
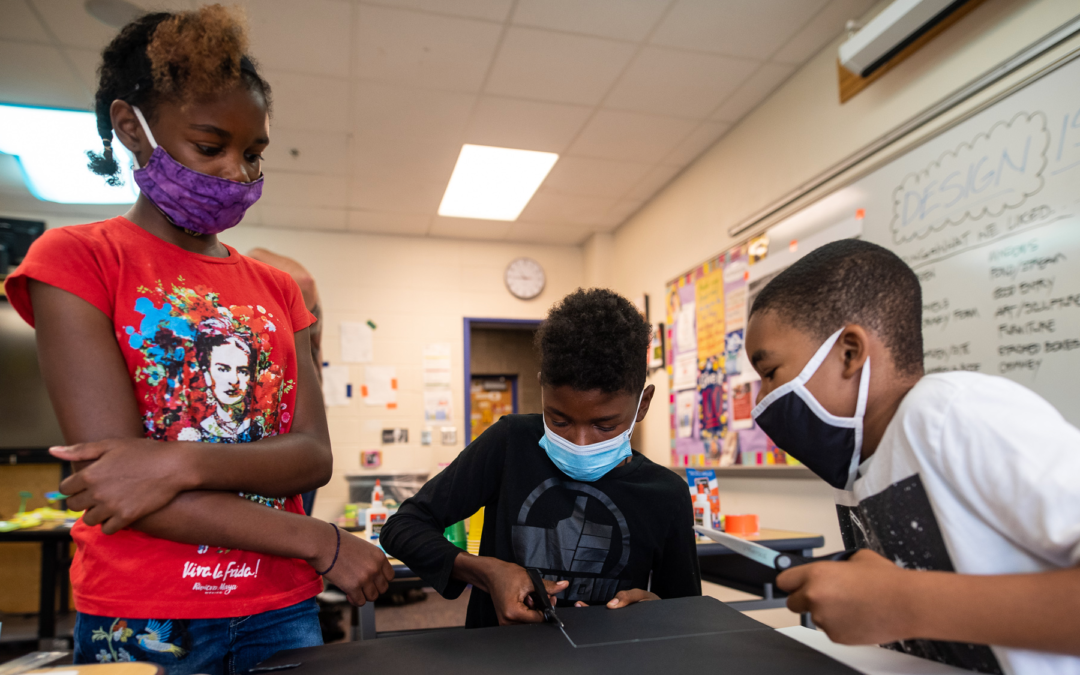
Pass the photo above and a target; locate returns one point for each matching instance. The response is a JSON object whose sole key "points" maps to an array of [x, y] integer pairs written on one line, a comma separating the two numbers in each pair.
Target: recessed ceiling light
{"points": [[50, 146], [494, 183], [115, 13]]}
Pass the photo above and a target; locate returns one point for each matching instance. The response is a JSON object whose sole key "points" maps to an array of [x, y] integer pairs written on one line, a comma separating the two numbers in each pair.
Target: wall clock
{"points": [[525, 278]]}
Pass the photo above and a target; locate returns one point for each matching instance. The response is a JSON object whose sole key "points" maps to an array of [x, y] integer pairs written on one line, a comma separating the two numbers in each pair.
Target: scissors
{"points": [[541, 599]]}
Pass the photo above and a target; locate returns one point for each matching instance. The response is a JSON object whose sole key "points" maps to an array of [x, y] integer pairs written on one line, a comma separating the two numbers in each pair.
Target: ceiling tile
{"points": [[682, 84], [17, 22], [309, 102], [525, 125], [383, 112], [588, 177], [748, 28], [821, 30], [41, 78], [696, 143], [535, 233], [424, 50], [491, 10], [86, 62], [301, 190], [376, 222], [617, 19], [548, 207], [404, 160], [70, 23], [630, 137], [301, 37], [409, 197], [537, 64], [303, 217], [317, 152], [754, 91], [621, 211], [654, 180], [469, 228]]}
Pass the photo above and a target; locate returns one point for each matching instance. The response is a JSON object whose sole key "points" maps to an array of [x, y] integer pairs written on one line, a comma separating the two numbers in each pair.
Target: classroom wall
{"points": [[798, 132], [417, 291]]}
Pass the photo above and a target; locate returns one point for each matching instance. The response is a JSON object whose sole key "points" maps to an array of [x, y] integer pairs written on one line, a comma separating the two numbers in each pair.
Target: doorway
{"points": [[500, 371]]}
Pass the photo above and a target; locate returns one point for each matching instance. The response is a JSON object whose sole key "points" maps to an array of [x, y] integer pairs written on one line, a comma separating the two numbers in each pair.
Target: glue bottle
{"points": [[376, 515], [702, 508]]}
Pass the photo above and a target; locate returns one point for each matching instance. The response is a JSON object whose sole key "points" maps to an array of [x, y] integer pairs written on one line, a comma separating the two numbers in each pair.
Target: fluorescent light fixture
{"points": [[50, 146], [494, 183]]}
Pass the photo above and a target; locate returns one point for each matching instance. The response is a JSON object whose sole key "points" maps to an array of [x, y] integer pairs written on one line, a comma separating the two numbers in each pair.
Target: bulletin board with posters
{"points": [[713, 386], [711, 382]]}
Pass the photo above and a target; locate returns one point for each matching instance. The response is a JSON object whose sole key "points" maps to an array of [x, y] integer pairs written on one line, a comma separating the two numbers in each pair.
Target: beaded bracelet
{"points": [[337, 550]]}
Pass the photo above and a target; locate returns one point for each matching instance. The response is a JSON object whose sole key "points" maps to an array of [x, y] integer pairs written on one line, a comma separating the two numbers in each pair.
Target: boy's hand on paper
{"points": [[857, 601], [625, 598], [362, 570], [510, 588], [125, 480]]}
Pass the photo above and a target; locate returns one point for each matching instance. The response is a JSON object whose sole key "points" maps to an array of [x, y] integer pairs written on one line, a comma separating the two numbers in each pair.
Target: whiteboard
{"points": [[988, 216]]}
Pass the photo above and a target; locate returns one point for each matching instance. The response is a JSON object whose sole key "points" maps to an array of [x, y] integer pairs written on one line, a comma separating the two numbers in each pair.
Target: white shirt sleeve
{"points": [[1015, 461]]}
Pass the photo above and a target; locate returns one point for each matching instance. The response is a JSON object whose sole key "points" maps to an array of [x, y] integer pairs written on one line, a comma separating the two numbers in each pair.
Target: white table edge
{"points": [[869, 659]]}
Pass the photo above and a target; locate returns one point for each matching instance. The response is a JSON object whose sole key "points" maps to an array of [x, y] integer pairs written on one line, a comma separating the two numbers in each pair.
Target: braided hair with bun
{"points": [[176, 57]]}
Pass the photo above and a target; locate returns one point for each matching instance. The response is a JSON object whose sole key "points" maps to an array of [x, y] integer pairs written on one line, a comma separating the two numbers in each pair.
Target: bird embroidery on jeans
{"points": [[156, 638]]}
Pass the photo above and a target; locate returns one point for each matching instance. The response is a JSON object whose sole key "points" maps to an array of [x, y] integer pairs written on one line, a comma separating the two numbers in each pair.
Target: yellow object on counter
{"points": [[476, 529]]}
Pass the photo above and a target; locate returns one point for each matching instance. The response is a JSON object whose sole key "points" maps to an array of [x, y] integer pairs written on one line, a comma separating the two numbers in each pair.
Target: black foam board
{"points": [[655, 638], [679, 617]]}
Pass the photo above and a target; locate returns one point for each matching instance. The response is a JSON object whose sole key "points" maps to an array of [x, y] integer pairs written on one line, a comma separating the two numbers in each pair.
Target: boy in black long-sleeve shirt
{"points": [[561, 491]]}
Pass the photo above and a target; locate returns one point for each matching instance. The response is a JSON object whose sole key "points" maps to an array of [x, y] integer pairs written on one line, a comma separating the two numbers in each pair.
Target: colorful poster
{"points": [[685, 375], [711, 384], [685, 330], [742, 402], [709, 303], [733, 346], [438, 405], [656, 348], [685, 412], [735, 310], [757, 248]]}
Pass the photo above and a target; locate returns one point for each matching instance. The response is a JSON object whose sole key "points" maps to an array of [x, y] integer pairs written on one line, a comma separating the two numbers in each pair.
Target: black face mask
{"points": [[828, 445]]}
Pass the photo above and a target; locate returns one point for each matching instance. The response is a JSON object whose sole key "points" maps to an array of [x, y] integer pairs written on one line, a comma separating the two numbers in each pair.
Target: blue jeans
{"points": [[185, 646]]}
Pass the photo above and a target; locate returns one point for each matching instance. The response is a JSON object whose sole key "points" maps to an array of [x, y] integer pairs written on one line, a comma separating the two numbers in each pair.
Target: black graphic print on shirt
{"points": [[589, 546], [899, 523]]}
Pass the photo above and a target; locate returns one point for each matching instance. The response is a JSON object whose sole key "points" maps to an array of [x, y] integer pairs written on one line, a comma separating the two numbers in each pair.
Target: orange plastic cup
{"points": [[745, 524]]}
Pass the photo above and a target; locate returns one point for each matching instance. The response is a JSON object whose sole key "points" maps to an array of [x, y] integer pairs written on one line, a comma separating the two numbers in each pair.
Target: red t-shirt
{"points": [[209, 346]]}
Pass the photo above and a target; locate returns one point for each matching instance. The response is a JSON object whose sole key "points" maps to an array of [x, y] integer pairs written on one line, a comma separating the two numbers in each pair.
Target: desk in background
{"points": [[55, 540]]}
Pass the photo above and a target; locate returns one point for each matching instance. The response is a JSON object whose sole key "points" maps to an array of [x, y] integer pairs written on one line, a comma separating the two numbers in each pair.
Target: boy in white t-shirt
{"points": [[964, 487]]}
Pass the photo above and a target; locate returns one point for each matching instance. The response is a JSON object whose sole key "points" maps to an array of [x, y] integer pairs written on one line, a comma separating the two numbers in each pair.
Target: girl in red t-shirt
{"points": [[179, 372]]}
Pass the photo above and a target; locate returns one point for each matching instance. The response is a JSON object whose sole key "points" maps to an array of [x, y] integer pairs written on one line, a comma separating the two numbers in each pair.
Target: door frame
{"points": [[476, 322]]}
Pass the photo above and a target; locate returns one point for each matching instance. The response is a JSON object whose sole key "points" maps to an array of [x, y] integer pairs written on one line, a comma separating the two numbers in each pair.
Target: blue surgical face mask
{"points": [[588, 463]]}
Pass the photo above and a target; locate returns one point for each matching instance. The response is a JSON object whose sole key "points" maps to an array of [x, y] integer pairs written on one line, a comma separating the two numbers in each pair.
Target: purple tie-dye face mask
{"points": [[193, 201]]}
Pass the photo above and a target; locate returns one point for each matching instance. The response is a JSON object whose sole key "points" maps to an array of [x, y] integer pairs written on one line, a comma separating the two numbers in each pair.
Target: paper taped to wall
{"points": [[357, 345], [380, 385], [335, 386]]}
